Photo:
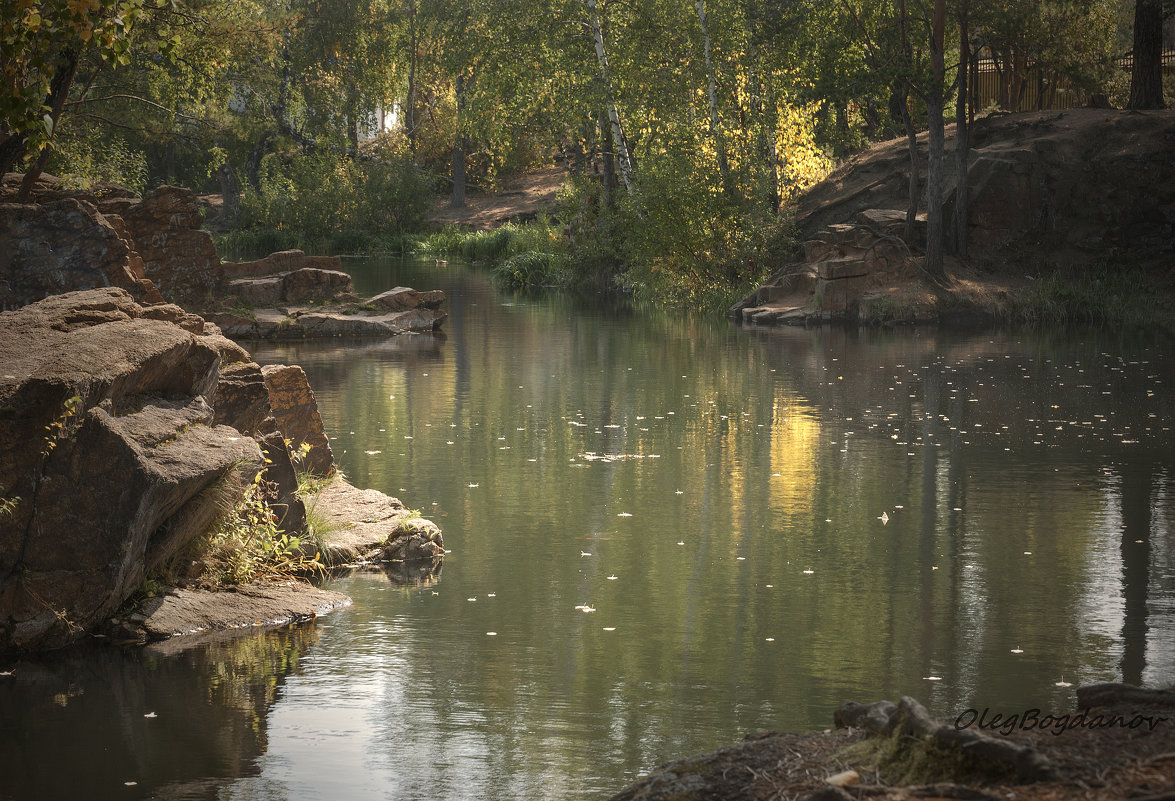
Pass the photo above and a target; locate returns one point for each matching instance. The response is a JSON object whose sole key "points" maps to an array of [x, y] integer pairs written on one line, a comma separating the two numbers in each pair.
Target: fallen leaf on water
{"points": [[1017, 650], [1062, 682], [933, 678], [372, 453], [150, 715], [884, 518]]}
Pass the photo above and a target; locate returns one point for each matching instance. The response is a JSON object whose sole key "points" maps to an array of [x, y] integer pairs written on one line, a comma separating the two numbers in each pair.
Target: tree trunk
{"points": [[712, 95], [902, 96], [58, 92], [607, 165], [1146, 79], [768, 127], [620, 144], [230, 191], [962, 221], [934, 177], [458, 198], [410, 102]]}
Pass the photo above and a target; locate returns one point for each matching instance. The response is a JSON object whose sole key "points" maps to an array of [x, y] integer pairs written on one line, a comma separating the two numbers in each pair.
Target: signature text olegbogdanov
{"points": [[1056, 725]]}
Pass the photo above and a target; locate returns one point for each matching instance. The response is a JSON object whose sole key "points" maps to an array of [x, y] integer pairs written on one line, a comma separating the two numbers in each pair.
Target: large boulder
{"points": [[62, 246], [179, 257], [110, 457]]}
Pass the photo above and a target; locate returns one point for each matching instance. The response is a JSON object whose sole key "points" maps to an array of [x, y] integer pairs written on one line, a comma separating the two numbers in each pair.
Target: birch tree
{"points": [[623, 157]]}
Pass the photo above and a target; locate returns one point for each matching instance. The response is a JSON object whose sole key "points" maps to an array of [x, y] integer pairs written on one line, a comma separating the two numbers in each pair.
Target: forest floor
{"points": [[520, 199]]}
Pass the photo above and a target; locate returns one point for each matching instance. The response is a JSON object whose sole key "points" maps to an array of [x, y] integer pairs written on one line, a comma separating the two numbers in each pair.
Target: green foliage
{"points": [[534, 269], [322, 199], [80, 163], [246, 544]]}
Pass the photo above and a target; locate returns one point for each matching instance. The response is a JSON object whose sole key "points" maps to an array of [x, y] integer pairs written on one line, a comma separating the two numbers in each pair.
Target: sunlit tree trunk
{"points": [[1146, 79], [410, 101], [712, 95], [607, 160], [620, 144]]}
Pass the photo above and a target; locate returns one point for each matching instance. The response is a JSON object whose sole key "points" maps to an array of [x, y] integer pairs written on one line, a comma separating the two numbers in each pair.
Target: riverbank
{"points": [[1071, 221], [1118, 742]]}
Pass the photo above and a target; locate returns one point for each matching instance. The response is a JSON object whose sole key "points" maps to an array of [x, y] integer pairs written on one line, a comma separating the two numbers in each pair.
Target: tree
{"points": [[1146, 78], [43, 44]]}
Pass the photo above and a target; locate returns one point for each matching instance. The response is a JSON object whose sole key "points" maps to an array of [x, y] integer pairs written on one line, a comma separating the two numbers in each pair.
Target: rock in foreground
{"points": [[110, 460], [179, 612]]}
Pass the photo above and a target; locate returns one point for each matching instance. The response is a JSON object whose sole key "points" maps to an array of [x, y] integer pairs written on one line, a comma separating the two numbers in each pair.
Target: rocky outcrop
{"points": [[1047, 191], [402, 298], [356, 320], [110, 459], [177, 256], [64, 241], [296, 413], [125, 433], [62, 246], [297, 286], [845, 268], [179, 611]]}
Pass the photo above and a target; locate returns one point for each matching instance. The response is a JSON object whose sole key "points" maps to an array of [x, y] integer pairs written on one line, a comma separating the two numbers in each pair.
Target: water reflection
{"points": [[178, 720], [730, 487], [765, 523]]}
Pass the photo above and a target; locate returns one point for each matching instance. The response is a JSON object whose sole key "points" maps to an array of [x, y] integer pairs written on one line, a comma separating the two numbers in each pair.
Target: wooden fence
{"points": [[1039, 89]]}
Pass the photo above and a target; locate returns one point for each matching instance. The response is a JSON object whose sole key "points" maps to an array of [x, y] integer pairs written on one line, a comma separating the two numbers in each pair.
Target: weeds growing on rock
{"points": [[247, 545]]}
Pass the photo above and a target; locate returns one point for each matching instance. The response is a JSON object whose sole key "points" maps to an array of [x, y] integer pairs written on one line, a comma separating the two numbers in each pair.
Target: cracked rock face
{"points": [[110, 457]]}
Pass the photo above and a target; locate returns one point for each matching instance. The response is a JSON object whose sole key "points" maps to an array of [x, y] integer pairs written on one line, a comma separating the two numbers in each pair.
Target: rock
{"points": [[177, 256], [63, 246], [283, 261], [293, 406], [403, 297], [186, 612], [242, 397], [110, 446], [324, 322], [368, 525], [412, 539], [257, 291], [282, 474]]}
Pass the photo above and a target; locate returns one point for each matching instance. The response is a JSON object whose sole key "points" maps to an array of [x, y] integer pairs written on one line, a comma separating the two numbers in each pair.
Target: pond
{"points": [[666, 533]]}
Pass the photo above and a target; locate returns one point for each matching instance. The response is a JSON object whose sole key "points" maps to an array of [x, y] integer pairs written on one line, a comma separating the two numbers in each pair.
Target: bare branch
{"points": [[144, 100]]}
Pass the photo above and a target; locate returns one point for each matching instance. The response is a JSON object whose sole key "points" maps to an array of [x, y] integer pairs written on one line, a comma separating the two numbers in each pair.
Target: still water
{"points": [[665, 533]]}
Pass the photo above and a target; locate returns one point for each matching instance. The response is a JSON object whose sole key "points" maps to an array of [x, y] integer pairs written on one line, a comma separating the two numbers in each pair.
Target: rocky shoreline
{"points": [[130, 426]]}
